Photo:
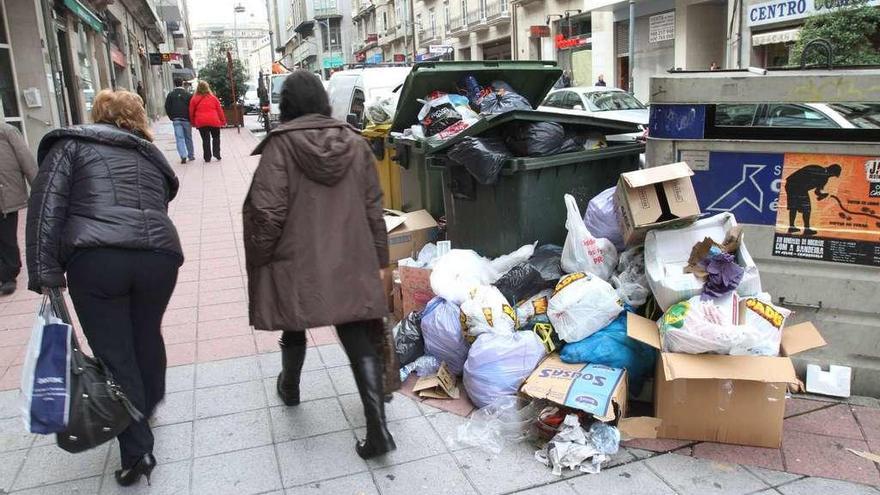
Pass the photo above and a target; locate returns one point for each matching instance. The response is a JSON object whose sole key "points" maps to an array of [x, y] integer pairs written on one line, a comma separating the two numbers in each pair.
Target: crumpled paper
{"points": [[573, 448]]}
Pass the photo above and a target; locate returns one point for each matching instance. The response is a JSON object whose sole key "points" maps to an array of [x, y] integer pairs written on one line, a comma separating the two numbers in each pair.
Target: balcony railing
{"points": [[428, 36], [477, 19], [457, 24], [497, 11]]}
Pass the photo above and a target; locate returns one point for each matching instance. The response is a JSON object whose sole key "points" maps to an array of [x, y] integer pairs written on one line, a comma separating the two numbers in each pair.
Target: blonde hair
{"points": [[204, 88], [123, 109]]}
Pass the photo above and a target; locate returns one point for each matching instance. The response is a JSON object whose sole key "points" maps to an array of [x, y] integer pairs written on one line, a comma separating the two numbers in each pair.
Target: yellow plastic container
{"points": [[389, 172]]}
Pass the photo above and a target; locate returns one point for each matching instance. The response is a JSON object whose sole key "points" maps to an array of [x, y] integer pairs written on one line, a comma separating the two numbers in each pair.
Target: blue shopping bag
{"points": [[45, 378]]}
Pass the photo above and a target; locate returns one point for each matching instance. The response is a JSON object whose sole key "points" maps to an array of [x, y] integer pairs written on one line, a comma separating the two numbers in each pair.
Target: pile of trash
{"points": [[559, 310]]}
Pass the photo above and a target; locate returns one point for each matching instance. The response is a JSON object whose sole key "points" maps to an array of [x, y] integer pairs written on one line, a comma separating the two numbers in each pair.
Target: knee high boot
{"points": [[368, 376], [292, 358]]}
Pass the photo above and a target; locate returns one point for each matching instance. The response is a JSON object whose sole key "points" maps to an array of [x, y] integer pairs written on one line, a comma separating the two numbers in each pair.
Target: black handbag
{"points": [[99, 409]]}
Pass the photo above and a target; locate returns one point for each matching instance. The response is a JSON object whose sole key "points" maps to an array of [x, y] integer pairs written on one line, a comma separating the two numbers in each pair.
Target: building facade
{"points": [[243, 38], [320, 36], [55, 55]]}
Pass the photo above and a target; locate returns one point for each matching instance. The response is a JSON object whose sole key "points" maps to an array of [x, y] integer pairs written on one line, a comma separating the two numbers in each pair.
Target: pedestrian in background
{"points": [[206, 113], [315, 242], [177, 109], [98, 214], [601, 81], [17, 170]]}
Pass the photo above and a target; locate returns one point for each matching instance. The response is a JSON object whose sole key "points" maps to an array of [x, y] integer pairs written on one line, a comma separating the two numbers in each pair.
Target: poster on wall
{"points": [[829, 209], [661, 27]]}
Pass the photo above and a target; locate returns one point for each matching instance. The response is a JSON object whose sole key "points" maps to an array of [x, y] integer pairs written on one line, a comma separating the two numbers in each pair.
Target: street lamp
{"points": [[238, 9]]}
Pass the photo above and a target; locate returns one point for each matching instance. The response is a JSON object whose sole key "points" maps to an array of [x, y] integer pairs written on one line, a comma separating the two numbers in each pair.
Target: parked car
{"points": [[350, 90], [799, 115], [601, 102]]}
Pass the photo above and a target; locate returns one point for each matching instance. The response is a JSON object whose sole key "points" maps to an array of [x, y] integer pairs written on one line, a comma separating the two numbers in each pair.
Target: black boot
{"points": [[368, 376], [292, 358]]}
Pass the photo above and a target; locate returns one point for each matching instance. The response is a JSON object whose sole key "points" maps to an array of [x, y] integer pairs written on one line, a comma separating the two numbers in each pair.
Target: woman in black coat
{"points": [[98, 214]]}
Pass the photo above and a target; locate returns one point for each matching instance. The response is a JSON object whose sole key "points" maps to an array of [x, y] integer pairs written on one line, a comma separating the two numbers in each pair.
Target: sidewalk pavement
{"points": [[222, 429]]}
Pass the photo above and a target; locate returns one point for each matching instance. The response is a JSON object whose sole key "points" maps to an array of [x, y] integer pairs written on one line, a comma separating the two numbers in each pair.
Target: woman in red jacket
{"points": [[206, 115]]}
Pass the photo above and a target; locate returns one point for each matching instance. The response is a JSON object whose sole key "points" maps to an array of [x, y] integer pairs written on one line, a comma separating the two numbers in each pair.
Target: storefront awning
{"points": [[90, 18], [772, 37]]}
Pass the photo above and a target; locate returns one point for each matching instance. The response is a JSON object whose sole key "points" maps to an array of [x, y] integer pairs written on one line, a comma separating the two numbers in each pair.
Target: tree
{"points": [[215, 72], [854, 33]]}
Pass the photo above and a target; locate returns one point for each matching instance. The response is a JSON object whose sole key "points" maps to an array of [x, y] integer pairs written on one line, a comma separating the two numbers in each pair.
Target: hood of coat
{"points": [[322, 147], [112, 136]]}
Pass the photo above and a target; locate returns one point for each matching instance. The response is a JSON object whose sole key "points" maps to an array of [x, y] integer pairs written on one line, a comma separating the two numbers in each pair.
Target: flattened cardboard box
{"points": [[415, 289], [726, 399], [441, 385], [407, 232], [593, 388], [655, 197]]}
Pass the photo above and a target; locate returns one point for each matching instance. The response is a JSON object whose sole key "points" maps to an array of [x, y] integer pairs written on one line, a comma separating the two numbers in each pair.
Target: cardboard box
{"points": [[593, 388], [655, 197], [398, 301], [408, 232], [415, 289], [441, 385], [388, 287], [726, 399]]}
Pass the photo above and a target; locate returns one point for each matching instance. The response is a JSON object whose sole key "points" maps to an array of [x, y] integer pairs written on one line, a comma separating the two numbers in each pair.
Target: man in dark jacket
{"points": [[17, 170], [177, 109]]}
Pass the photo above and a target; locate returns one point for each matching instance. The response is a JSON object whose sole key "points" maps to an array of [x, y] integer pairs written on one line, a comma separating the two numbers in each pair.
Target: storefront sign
{"points": [[333, 61], [85, 14], [539, 31], [773, 12], [829, 209], [661, 27], [439, 49], [159, 58], [360, 57], [376, 58], [563, 43], [117, 56], [372, 38], [399, 57]]}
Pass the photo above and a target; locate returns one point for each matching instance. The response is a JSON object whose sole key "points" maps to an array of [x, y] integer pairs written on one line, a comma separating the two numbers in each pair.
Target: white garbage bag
{"points": [[582, 304], [582, 251], [487, 311], [459, 271], [498, 364]]}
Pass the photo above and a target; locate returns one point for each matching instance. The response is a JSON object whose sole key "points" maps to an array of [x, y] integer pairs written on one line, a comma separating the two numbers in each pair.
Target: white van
{"points": [[350, 90]]}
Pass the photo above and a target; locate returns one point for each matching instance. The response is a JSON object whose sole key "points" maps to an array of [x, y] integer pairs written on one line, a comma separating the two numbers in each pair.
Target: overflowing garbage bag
{"points": [[482, 157], [498, 364], [502, 99], [542, 139], [532, 316], [445, 115], [505, 421], [408, 342], [522, 282], [582, 251], [459, 271], [700, 326], [577, 449], [582, 304], [487, 311], [380, 109], [611, 346], [602, 217], [443, 334], [630, 278], [423, 366], [547, 259]]}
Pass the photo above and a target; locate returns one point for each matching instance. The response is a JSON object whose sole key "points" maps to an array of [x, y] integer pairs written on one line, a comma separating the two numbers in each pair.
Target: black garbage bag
{"points": [[440, 117], [522, 282], [408, 342], [547, 259], [536, 139], [482, 157], [504, 101]]}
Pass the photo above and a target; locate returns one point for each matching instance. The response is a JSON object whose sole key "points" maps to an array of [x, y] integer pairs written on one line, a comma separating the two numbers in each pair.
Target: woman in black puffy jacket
{"points": [[98, 214]]}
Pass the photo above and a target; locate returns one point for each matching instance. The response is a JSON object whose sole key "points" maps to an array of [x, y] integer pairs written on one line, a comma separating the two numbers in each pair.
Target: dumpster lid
{"points": [[532, 79]]}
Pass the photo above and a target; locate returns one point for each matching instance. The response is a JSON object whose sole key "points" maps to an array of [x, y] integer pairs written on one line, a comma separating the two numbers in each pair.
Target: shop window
{"points": [[7, 84]]}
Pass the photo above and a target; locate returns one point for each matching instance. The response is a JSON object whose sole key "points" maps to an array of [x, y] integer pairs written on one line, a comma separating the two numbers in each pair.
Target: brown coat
{"points": [[18, 168], [314, 234]]}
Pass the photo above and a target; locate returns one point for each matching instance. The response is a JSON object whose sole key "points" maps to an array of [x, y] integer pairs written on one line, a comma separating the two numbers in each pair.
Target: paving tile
{"points": [[356, 484], [15, 336], [308, 419], [185, 288], [9, 404], [739, 454], [44, 465], [771, 477], [415, 439], [178, 334], [656, 444], [446, 425], [220, 273], [178, 378], [227, 371], [242, 472], [796, 406], [173, 442], [640, 454], [237, 431], [268, 342], [687, 476], [13, 436], [815, 486], [827, 457], [11, 322], [211, 312], [343, 380], [87, 486], [228, 399], [180, 354], [11, 379], [221, 284], [180, 316], [313, 385], [229, 327], [399, 408], [333, 355], [319, 458], [10, 462], [179, 301], [433, 476], [515, 468], [224, 296], [323, 336], [836, 421], [225, 348], [558, 488], [175, 408], [166, 479], [632, 479], [869, 420]]}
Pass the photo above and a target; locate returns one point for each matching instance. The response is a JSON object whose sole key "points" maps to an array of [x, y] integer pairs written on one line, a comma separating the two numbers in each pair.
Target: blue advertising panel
{"points": [[677, 121], [745, 184]]}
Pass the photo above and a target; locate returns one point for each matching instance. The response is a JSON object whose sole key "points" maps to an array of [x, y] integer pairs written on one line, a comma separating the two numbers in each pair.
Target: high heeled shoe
{"points": [[143, 467]]}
